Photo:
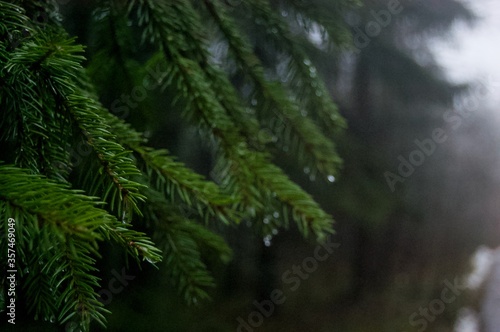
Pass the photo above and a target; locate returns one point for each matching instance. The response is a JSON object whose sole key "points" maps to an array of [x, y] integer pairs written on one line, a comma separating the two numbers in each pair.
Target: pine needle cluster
{"points": [[73, 174]]}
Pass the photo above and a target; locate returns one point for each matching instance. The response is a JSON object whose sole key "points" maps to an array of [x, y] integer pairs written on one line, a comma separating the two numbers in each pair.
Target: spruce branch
{"points": [[164, 24], [301, 76], [64, 226], [173, 178], [68, 224], [136, 243], [248, 174], [79, 300], [185, 244], [52, 63], [304, 135], [49, 103], [116, 167]]}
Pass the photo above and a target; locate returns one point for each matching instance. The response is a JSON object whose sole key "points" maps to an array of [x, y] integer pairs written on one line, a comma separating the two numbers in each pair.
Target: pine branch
{"points": [[13, 22], [248, 174], [183, 241], [79, 298], [303, 134], [52, 63], [301, 76], [173, 178], [226, 95], [64, 227], [115, 166], [66, 220], [39, 283], [69, 211], [310, 218], [136, 243], [204, 105], [48, 103], [184, 263], [38, 135], [164, 24]]}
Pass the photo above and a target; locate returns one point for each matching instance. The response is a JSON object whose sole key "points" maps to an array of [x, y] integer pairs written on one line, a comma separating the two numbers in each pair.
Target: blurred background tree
{"points": [[261, 75]]}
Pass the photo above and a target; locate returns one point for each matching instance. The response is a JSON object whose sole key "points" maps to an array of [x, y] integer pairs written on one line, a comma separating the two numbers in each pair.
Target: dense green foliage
{"points": [[74, 173]]}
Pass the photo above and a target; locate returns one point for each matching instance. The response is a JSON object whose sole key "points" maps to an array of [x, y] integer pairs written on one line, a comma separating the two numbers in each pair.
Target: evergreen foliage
{"points": [[73, 174]]}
